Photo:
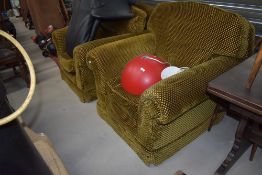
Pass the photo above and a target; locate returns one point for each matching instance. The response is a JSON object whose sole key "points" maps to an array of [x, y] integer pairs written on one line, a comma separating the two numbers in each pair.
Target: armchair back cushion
{"points": [[193, 32]]}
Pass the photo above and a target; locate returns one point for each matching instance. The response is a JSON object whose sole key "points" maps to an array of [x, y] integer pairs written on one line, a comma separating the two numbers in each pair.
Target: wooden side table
{"points": [[230, 93], [256, 65]]}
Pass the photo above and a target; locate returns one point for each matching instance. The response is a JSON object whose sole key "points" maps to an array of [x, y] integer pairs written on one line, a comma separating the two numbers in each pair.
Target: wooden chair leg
{"points": [[255, 127], [180, 173], [253, 151], [15, 71], [24, 73]]}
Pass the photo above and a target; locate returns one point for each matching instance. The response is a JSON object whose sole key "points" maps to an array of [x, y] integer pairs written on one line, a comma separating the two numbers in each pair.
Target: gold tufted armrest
{"points": [[81, 59], [59, 39], [107, 61], [177, 94]]}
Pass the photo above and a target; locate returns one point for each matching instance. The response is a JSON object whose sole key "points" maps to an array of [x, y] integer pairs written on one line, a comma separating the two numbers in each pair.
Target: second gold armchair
{"points": [[74, 71]]}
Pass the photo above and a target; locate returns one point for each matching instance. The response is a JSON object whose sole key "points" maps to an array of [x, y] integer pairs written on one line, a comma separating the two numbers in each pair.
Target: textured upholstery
{"points": [[75, 70], [173, 112]]}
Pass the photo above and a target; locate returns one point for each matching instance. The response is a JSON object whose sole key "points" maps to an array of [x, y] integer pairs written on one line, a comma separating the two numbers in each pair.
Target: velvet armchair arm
{"points": [[80, 56], [169, 99], [81, 51], [107, 61], [59, 39], [179, 93]]}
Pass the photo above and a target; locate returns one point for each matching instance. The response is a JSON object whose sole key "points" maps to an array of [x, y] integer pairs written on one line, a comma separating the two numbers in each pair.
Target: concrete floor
{"points": [[88, 146]]}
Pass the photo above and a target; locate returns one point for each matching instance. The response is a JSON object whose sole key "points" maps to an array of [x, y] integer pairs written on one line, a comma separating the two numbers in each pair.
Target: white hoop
{"points": [[21, 109]]}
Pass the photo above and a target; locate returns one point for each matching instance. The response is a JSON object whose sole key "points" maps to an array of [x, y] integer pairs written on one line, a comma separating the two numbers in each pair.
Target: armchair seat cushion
{"points": [[67, 62]]}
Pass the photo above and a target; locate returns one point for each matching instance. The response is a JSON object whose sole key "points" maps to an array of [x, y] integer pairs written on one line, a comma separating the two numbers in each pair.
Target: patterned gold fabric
{"points": [[74, 71], [174, 111], [148, 8]]}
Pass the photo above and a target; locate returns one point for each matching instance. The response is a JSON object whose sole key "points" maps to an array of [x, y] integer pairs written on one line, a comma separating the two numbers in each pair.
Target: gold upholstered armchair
{"points": [[74, 71], [173, 112]]}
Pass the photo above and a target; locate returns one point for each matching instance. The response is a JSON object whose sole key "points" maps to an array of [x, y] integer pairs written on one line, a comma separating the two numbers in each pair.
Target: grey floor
{"points": [[88, 146]]}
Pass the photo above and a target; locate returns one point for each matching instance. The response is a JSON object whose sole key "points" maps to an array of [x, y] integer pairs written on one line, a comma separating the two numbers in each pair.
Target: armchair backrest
{"points": [[189, 33], [117, 27]]}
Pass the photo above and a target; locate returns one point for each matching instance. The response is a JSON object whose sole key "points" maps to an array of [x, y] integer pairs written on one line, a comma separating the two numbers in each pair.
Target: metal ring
{"points": [[21, 109]]}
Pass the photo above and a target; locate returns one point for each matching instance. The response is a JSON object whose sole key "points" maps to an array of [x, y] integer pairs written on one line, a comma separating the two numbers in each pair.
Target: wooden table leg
{"points": [[239, 147], [253, 151], [254, 146], [217, 110], [24, 73]]}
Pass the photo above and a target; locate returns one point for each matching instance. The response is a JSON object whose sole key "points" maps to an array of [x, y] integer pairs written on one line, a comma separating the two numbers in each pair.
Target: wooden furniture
{"points": [[45, 13], [244, 104], [256, 65], [5, 5], [10, 58], [2, 26], [180, 173], [24, 11]]}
